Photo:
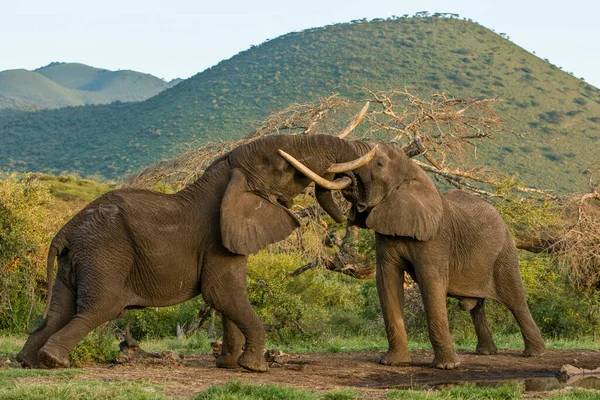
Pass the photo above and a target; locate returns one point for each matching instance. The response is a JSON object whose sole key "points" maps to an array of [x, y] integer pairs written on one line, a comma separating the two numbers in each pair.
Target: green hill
{"points": [[70, 84], [556, 115], [24, 89], [71, 75]]}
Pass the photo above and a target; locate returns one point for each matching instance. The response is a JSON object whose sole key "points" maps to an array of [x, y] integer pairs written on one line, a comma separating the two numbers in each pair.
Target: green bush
{"points": [[98, 346], [559, 310], [310, 305], [160, 322], [26, 225]]}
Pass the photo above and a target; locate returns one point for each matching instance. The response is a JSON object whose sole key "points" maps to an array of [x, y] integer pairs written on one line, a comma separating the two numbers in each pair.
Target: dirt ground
{"points": [[183, 378]]}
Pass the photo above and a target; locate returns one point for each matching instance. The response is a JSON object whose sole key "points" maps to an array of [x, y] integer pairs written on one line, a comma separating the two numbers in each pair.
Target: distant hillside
{"points": [[556, 116], [71, 84]]}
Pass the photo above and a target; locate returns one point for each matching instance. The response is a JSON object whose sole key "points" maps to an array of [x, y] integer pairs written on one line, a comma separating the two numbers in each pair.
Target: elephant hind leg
{"points": [[62, 309], [512, 295], [55, 353], [93, 309], [485, 340]]}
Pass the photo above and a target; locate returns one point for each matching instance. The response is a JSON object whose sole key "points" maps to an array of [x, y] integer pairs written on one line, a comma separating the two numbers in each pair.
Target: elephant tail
{"points": [[56, 248]]}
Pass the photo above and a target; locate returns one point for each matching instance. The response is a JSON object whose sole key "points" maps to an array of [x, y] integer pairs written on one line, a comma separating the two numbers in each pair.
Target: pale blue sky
{"points": [[179, 38]]}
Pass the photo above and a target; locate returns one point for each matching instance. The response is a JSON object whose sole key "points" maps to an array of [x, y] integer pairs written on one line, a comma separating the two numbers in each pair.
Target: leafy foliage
{"points": [[25, 226], [29, 216], [97, 346]]}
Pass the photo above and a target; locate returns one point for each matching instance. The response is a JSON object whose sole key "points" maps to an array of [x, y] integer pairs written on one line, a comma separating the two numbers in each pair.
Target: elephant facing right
{"points": [[454, 244]]}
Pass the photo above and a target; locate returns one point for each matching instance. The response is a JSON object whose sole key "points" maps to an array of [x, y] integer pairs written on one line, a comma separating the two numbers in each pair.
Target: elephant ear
{"points": [[250, 222], [412, 209]]}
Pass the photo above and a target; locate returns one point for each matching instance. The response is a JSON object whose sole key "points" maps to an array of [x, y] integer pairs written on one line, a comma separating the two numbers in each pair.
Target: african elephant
{"points": [[454, 244], [135, 248]]}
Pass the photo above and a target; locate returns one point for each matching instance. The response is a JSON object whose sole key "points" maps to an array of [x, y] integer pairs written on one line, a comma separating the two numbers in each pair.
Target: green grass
{"points": [[10, 344], [96, 390], [199, 343], [508, 391], [69, 187], [6, 374], [237, 391], [466, 392]]}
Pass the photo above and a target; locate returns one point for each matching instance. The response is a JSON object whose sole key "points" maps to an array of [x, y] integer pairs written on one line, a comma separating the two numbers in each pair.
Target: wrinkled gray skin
{"points": [[454, 244], [135, 248]]}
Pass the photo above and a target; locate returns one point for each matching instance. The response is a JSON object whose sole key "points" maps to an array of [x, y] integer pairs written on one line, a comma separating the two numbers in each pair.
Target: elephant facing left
{"points": [[135, 248]]}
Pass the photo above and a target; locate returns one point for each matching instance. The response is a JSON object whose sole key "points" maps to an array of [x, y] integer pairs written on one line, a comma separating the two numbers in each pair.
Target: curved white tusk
{"points": [[354, 164], [338, 184], [355, 121]]}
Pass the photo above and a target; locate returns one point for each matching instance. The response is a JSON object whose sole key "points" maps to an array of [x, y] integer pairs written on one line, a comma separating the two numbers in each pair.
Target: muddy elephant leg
{"points": [[485, 340], [390, 288], [62, 309], [433, 291], [223, 284], [233, 341]]}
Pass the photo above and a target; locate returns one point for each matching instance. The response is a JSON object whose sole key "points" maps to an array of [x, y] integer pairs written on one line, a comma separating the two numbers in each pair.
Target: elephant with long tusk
{"points": [[134, 248]]}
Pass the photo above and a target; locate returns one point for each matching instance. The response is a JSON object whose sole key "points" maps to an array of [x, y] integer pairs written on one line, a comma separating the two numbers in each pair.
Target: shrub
{"points": [[559, 310], [98, 346], [26, 225], [160, 322]]}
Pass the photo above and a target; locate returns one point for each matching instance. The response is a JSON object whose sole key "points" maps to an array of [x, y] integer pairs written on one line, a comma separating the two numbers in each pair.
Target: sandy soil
{"points": [[183, 378]]}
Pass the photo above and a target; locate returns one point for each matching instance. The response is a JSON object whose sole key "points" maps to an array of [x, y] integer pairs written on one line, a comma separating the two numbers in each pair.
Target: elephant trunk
{"points": [[325, 199]]}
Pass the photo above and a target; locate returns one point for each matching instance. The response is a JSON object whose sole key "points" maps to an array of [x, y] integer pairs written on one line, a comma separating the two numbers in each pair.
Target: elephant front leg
{"points": [[224, 288], [390, 288], [233, 340], [433, 292]]}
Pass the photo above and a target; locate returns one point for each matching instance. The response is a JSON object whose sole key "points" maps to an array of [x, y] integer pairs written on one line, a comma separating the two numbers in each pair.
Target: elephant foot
{"points": [[228, 360], [450, 361], [487, 350], [446, 365], [395, 358], [534, 351], [52, 360], [29, 359], [253, 361]]}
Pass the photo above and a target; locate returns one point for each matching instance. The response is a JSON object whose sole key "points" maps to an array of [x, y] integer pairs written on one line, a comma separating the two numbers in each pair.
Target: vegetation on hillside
{"points": [[70, 84], [554, 116]]}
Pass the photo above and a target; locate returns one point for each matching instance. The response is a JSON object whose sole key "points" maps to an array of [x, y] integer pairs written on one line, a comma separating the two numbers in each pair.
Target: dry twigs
{"points": [[578, 250]]}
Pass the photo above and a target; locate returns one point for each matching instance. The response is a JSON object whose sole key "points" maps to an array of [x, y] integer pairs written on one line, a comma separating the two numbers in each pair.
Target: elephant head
{"points": [[263, 184], [400, 199]]}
